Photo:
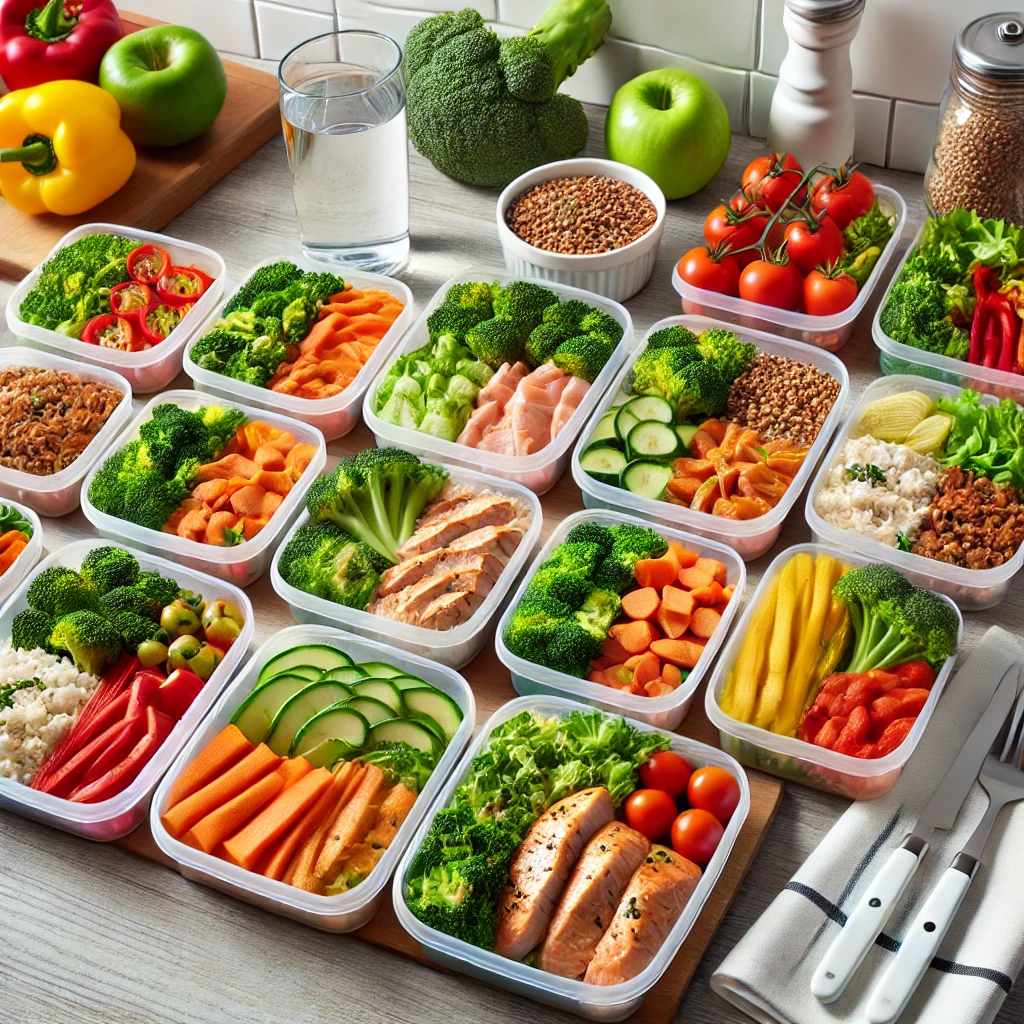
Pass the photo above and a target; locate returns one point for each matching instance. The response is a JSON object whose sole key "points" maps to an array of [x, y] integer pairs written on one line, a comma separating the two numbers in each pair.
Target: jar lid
{"points": [[993, 47], [824, 12]]}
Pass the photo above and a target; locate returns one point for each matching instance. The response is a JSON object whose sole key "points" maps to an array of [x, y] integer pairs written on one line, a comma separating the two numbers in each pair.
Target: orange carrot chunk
{"points": [[636, 636], [695, 578], [673, 624], [646, 668], [704, 622], [714, 568], [225, 749], [671, 674], [709, 596], [655, 572], [683, 556], [611, 648], [685, 653], [642, 603], [678, 600]]}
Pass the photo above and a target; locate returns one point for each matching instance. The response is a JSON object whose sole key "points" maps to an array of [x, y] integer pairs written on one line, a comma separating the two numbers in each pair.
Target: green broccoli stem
{"points": [[572, 30], [882, 651]]}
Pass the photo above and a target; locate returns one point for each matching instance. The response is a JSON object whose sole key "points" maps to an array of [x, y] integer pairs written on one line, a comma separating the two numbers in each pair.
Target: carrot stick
{"points": [[228, 747], [208, 833], [292, 770]]}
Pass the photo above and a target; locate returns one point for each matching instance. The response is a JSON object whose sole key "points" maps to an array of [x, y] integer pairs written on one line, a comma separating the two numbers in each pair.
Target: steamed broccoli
{"points": [[110, 567], [59, 591], [158, 587], [584, 356], [598, 612], [323, 560], [135, 629], [597, 321], [91, 640], [572, 648], [484, 111], [31, 629], [523, 302], [131, 599], [543, 342], [272, 278], [726, 352], [453, 321], [658, 370], [531, 627], [473, 295], [496, 341], [591, 533], [671, 337], [630, 544], [568, 315]]}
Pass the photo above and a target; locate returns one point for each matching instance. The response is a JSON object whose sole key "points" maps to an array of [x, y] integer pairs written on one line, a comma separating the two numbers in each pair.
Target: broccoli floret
{"points": [[523, 302], [591, 533], [484, 112], [474, 295], [543, 342], [703, 390], [583, 356], [158, 587], [449, 320], [273, 278], [597, 321], [573, 647], [135, 629], [571, 589], [496, 341], [671, 337], [323, 560], [568, 315], [297, 318], [213, 350], [726, 351], [91, 640], [599, 611], [630, 544], [31, 629], [657, 370], [110, 567], [573, 556], [872, 595], [59, 591], [531, 627], [131, 599]]}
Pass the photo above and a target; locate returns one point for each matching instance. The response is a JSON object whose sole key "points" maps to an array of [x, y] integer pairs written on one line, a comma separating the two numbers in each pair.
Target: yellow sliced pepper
{"points": [[61, 148]]}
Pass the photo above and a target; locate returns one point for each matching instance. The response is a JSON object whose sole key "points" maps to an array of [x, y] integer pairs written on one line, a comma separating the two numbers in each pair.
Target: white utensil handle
{"points": [[863, 926], [923, 938]]}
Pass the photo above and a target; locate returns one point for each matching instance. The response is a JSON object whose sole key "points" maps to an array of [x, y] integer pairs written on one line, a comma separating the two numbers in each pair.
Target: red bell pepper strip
{"points": [[64, 781], [148, 263], [982, 315], [130, 297], [182, 285], [143, 693], [44, 41], [112, 330], [178, 692], [133, 729]]}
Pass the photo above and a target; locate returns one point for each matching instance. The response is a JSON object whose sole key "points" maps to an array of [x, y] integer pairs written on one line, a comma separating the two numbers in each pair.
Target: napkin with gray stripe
{"points": [[768, 974]]}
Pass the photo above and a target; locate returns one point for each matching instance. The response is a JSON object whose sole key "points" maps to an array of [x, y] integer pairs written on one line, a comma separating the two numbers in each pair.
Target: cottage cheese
{"points": [[38, 717], [876, 510]]}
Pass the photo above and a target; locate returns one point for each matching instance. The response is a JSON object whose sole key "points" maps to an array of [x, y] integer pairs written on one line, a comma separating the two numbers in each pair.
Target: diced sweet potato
{"points": [[695, 578], [684, 652], [715, 569], [655, 572], [704, 622]]}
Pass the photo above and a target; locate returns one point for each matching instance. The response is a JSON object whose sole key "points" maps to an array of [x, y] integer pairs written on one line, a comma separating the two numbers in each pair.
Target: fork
{"points": [[1002, 778]]}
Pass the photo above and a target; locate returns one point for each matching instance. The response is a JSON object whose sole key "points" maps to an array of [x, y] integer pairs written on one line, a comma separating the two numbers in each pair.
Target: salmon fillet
{"points": [[588, 904], [650, 906], [541, 868], [483, 510]]}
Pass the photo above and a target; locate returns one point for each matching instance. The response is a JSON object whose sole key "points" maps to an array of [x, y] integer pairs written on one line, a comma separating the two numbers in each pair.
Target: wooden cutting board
{"points": [[493, 687], [166, 181]]}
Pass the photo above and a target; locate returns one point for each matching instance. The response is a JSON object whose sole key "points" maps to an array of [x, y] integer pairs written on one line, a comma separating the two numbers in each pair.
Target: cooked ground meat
{"points": [[971, 522], [48, 417]]}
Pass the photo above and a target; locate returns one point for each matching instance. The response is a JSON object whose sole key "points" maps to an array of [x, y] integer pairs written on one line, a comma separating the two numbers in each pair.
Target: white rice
{"points": [[38, 718], [873, 510]]}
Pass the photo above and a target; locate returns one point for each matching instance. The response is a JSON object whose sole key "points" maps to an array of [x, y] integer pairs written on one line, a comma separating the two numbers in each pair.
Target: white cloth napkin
{"points": [[768, 973]]}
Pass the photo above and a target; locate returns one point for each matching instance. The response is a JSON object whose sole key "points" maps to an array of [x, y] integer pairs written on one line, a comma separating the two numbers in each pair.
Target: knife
{"points": [[869, 917]]}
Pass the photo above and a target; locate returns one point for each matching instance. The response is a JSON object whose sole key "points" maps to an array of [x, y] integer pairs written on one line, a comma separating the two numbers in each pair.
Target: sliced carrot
{"points": [[280, 482], [228, 466], [217, 527], [352, 823], [298, 458], [647, 667], [704, 622], [248, 500], [292, 769], [658, 688], [683, 556], [684, 653], [655, 572], [694, 578], [597, 676], [727, 592], [635, 636], [600, 664], [268, 457], [642, 603], [619, 676], [611, 648], [228, 747], [246, 847], [209, 832], [677, 600], [209, 491], [710, 596], [672, 623], [671, 674], [714, 568]]}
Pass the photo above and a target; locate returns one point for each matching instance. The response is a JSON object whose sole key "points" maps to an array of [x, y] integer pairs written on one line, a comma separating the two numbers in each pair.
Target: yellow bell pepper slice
{"points": [[61, 148]]}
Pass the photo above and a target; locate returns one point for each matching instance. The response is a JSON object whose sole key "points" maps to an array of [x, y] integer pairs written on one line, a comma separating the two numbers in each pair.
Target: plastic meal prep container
{"points": [[146, 371], [896, 358], [334, 416], [618, 273], [23, 564], [349, 910], [60, 493], [452, 647], [971, 589], [539, 471], [749, 538], [241, 563], [660, 712], [854, 777], [827, 332], [111, 819], [596, 1002]]}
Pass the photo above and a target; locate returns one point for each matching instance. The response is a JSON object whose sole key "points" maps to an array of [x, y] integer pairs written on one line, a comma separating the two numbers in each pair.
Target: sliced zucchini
{"points": [[428, 723], [646, 479], [318, 656], [651, 407], [625, 421], [438, 706], [605, 429], [346, 674], [299, 709], [686, 432], [652, 439], [603, 463], [379, 669], [373, 711], [326, 738], [306, 671], [401, 730], [410, 682], [380, 689], [256, 713]]}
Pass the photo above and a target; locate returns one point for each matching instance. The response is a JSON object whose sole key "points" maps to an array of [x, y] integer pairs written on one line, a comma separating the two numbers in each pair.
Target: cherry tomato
{"points": [[772, 283], [745, 199], [666, 771], [714, 790], [651, 812], [813, 243], [827, 293], [723, 226], [778, 185], [711, 269], [846, 196], [760, 166], [696, 834]]}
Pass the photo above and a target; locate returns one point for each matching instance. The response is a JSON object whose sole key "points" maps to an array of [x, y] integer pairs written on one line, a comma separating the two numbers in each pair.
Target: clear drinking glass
{"points": [[343, 114]]}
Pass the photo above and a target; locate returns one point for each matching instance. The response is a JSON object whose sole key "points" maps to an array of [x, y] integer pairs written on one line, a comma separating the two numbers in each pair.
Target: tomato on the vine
{"points": [[813, 242], [696, 834], [772, 282], [845, 195], [715, 790], [651, 812], [668, 771], [827, 291], [724, 226], [712, 269], [761, 165], [745, 199]]}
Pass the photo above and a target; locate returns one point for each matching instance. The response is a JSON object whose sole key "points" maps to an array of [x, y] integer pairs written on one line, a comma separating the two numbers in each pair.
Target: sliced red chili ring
{"points": [[113, 331], [181, 284], [130, 297], [158, 320], [148, 263]]}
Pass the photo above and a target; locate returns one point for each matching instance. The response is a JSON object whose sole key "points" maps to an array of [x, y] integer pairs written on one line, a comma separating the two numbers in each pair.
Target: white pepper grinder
{"points": [[812, 113]]}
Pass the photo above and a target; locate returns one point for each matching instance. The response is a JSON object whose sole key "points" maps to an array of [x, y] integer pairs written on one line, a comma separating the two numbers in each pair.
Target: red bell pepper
{"points": [[66, 778], [122, 332], [130, 297], [49, 40], [143, 692], [996, 328], [148, 263], [133, 729], [178, 692], [181, 286]]}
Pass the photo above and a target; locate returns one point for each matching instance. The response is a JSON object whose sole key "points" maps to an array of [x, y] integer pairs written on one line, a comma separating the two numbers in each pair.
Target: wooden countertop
{"points": [[94, 934]]}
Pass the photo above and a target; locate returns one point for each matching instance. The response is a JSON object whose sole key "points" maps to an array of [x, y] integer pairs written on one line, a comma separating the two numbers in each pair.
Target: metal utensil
{"points": [[1003, 779], [869, 917]]}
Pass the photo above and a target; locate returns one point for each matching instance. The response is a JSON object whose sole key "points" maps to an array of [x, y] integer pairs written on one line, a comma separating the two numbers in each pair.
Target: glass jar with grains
{"points": [[978, 158]]}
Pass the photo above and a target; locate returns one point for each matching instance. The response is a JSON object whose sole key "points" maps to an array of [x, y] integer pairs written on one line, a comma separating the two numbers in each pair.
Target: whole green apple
{"points": [[168, 81], [673, 126]]}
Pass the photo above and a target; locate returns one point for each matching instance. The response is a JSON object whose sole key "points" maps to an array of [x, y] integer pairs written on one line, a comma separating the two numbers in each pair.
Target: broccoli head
{"points": [[323, 560], [630, 544], [657, 370], [543, 342], [671, 337], [473, 295], [90, 639], [450, 320], [573, 647], [272, 278], [597, 321], [598, 612], [523, 302], [726, 351], [568, 315], [135, 630], [873, 595], [496, 341], [59, 591], [591, 533], [159, 588], [213, 350], [131, 599], [571, 588], [110, 567], [583, 356], [484, 112], [531, 627], [31, 630]]}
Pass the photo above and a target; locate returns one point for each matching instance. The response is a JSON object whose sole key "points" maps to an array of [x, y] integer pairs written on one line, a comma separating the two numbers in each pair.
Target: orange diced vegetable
{"points": [[678, 600], [704, 622], [228, 747], [600, 664], [642, 603], [635, 636], [684, 653], [611, 648], [711, 596], [683, 556], [673, 624], [655, 572], [597, 676], [658, 688], [671, 674], [714, 568], [208, 833], [695, 578], [646, 668]]}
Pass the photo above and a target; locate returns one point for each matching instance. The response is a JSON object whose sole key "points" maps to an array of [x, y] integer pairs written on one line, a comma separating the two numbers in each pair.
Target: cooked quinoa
{"points": [[873, 508], [36, 717]]}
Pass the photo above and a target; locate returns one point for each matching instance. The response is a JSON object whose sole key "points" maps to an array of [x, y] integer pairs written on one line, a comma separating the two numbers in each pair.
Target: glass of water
{"points": [[343, 114]]}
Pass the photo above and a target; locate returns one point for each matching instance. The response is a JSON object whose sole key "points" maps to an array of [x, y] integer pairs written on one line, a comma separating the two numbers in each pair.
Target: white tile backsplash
{"points": [[323, 6], [759, 103], [282, 28], [774, 41], [913, 132], [872, 115], [228, 24]]}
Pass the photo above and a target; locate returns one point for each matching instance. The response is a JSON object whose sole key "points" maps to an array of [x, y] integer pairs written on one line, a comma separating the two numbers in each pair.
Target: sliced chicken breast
{"points": [[440, 531], [589, 901], [450, 610], [443, 560], [650, 906], [542, 865], [410, 603]]}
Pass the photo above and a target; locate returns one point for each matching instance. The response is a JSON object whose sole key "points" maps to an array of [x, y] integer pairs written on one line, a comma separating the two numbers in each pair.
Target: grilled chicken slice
{"points": [[588, 904], [434, 563], [451, 496], [440, 531], [411, 603], [542, 865], [650, 906], [450, 610]]}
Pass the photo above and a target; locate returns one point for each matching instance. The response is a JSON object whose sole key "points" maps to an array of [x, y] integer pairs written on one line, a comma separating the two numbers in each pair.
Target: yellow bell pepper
{"points": [[61, 148]]}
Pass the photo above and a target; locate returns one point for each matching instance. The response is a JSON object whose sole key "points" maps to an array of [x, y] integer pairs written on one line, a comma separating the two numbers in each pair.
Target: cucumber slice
{"points": [[410, 682], [318, 656], [346, 674], [383, 690], [438, 706], [651, 407], [653, 440], [373, 711], [686, 433], [256, 713], [333, 734], [400, 730], [646, 479], [300, 709], [379, 669], [603, 463], [625, 421], [605, 429], [428, 723], [306, 671]]}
